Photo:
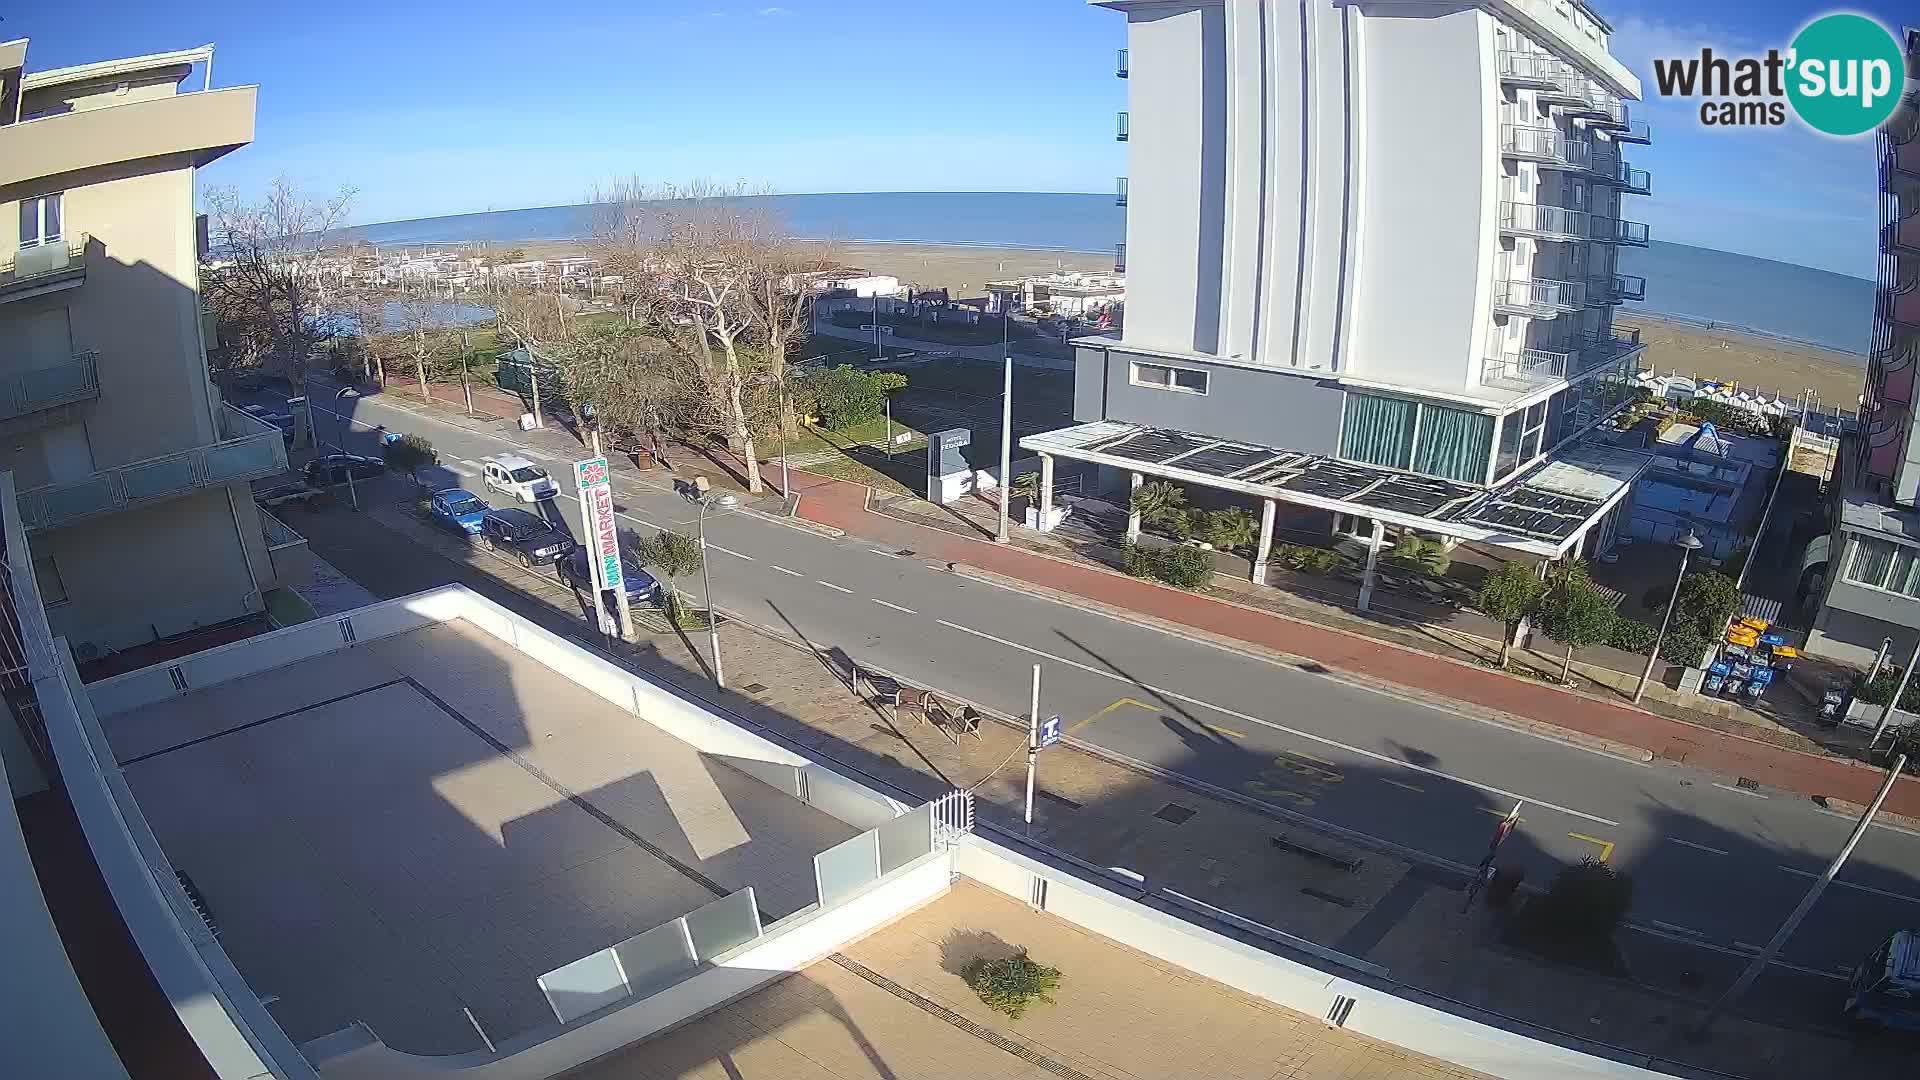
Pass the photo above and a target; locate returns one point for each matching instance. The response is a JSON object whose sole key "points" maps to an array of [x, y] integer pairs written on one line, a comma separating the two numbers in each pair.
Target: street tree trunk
{"points": [[1506, 646], [1566, 669]]}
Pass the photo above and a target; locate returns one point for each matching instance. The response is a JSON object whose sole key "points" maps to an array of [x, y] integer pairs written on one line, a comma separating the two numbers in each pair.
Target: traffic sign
{"points": [[1050, 730]]}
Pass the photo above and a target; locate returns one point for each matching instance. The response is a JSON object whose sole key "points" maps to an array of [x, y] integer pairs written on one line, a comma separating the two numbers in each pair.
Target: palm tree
{"points": [[1159, 502]]}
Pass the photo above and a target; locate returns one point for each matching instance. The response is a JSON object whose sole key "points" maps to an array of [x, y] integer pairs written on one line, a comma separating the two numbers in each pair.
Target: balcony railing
{"points": [[1530, 367], [1633, 131], [276, 532], [1533, 69], [1119, 258], [1573, 90], [1120, 129], [1543, 222], [1545, 145], [1120, 65], [1616, 288], [24, 392], [1608, 168], [1539, 297], [43, 264], [1119, 191], [1599, 348], [1608, 230], [248, 449]]}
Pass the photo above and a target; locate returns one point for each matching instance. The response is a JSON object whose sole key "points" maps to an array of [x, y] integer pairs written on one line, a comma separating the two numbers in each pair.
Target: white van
{"points": [[518, 477]]}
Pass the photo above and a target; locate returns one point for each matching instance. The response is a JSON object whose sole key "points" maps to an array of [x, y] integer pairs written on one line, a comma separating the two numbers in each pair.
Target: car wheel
{"points": [[526, 560]]}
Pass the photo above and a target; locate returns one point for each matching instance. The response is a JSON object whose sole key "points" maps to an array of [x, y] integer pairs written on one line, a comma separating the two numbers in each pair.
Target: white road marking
{"points": [[1740, 791], [784, 570], [1676, 928], [1744, 946], [1877, 824], [463, 472], [895, 607], [470, 461], [835, 588], [732, 552], [1694, 846], [1683, 939], [1295, 732], [1838, 884], [883, 554]]}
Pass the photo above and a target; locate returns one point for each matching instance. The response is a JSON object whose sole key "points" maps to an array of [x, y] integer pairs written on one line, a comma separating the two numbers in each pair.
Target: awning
{"points": [[1544, 511]]}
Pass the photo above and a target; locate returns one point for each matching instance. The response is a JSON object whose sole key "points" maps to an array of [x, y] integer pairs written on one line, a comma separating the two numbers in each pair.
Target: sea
{"points": [[1718, 289]]}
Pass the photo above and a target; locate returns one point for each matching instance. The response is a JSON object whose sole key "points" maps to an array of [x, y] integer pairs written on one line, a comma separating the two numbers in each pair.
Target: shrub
{"points": [[1229, 529], [1161, 505], [1418, 554], [1631, 635], [1586, 901], [1012, 985], [409, 454], [1183, 567], [1510, 594], [1881, 688], [1708, 599], [842, 397], [1684, 644]]}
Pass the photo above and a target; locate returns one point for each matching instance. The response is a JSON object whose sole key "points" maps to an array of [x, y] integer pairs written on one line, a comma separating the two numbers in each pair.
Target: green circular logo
{"points": [[1846, 74]]}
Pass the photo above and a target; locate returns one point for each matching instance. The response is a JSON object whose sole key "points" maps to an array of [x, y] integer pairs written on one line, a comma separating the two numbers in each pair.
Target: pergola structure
{"points": [[1547, 511]]}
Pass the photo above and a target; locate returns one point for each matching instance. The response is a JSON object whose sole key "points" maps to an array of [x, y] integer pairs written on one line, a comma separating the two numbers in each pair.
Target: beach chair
{"points": [[967, 722], [920, 702]]}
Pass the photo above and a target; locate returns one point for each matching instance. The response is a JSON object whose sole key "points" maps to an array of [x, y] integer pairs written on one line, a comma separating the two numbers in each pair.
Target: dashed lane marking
{"points": [[733, 553], [1295, 732], [1676, 928], [784, 570], [1838, 884], [896, 607], [1401, 784], [835, 588], [1740, 791], [1694, 846]]}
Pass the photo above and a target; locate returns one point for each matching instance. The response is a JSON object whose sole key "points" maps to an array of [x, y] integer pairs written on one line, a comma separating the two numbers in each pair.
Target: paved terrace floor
{"points": [[428, 821], [894, 1007]]}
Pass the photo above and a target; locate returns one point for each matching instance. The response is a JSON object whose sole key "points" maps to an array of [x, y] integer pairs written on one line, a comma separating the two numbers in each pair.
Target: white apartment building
{"points": [[1380, 235], [132, 474]]}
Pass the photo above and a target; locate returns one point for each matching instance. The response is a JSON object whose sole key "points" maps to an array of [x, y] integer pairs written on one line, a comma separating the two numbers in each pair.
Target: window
{"points": [[1425, 438], [46, 576], [1509, 455], [1165, 377], [1883, 564], [531, 472], [40, 220], [1378, 430], [1453, 443]]}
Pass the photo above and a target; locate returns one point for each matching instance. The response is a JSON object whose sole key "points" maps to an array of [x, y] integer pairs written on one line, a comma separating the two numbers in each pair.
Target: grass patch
{"points": [[846, 468], [870, 433], [288, 608]]}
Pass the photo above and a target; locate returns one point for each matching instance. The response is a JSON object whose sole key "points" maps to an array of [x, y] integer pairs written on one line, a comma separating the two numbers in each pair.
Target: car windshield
{"points": [[531, 472], [468, 505]]}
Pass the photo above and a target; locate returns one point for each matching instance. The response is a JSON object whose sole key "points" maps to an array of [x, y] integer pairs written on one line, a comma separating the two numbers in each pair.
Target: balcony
{"points": [[1120, 129], [1527, 369], [1609, 169], [44, 268], [1545, 145], [1599, 349], [288, 559], [1119, 191], [1902, 237], [248, 450], [25, 393], [1608, 230], [1600, 109], [1539, 298], [1633, 131], [1575, 89], [1119, 258], [203, 126], [1534, 70], [1615, 289], [1120, 65], [1542, 222]]}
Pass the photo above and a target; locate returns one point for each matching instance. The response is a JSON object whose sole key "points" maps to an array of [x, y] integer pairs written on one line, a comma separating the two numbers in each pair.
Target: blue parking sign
{"points": [[1050, 730]]}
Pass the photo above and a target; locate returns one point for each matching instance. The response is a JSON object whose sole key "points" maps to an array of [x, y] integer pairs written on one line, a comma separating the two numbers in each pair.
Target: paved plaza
{"points": [[400, 829]]}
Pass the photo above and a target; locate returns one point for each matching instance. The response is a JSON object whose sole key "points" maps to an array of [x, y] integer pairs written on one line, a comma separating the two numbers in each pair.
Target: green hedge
{"points": [[1631, 635], [1185, 567]]}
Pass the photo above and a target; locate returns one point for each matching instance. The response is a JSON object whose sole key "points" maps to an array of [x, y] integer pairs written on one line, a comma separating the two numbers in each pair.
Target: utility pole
{"points": [[1787, 928], [1688, 545], [1033, 741], [1886, 711], [706, 584], [1006, 424]]}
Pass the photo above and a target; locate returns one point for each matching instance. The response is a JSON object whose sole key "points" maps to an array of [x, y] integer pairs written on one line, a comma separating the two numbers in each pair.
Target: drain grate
{"points": [[1174, 813], [934, 1008], [1747, 783], [754, 688], [906, 552]]}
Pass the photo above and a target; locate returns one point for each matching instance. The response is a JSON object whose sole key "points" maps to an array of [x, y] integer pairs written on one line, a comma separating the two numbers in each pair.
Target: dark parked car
{"points": [[575, 572], [335, 468], [531, 540], [283, 421]]}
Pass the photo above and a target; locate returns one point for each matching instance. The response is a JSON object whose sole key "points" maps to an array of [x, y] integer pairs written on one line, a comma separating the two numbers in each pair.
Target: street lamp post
{"points": [[725, 502], [1688, 545], [352, 492], [1006, 422]]}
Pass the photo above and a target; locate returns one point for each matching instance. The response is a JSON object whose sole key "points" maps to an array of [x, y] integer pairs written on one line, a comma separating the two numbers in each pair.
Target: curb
{"points": [[800, 523], [1626, 752]]}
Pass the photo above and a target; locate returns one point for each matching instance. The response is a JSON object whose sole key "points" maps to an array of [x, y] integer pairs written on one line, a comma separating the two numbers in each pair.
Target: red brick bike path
{"points": [[842, 505]]}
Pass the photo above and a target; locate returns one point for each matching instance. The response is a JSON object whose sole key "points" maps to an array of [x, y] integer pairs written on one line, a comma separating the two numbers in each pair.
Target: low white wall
{"points": [[1377, 1013], [788, 947]]}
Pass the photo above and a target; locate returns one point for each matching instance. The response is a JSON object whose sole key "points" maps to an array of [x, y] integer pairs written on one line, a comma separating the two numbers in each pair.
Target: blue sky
{"points": [[431, 108]]}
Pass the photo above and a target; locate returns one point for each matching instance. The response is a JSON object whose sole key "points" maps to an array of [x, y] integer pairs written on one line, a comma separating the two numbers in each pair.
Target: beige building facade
{"points": [[133, 475]]}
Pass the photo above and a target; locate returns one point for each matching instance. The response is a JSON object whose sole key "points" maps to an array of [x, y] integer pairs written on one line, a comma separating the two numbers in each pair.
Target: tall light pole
{"points": [[352, 492], [1819, 886], [1688, 545], [1886, 711], [725, 502], [1033, 741], [1006, 422]]}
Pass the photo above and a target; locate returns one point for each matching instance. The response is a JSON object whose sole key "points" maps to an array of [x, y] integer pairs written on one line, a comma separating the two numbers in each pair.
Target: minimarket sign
{"points": [[596, 500]]}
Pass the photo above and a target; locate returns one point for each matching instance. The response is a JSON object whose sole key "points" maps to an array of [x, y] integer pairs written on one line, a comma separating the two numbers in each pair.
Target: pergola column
{"points": [[1265, 549], [1373, 559], [1134, 480], [1045, 521]]}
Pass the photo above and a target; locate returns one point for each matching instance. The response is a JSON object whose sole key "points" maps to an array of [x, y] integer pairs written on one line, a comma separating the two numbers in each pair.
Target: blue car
{"points": [[458, 509]]}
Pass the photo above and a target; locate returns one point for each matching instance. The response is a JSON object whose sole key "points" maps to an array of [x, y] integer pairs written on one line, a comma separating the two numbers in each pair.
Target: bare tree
{"points": [[264, 283], [420, 332]]}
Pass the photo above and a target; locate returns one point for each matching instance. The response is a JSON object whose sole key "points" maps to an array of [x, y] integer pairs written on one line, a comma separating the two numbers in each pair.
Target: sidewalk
{"points": [[1392, 911], [841, 505]]}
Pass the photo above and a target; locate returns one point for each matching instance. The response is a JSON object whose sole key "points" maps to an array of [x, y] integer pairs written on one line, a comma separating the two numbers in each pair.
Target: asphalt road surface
{"points": [[1713, 864]]}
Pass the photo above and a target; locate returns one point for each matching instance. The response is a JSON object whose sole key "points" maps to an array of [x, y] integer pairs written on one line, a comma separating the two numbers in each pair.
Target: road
{"points": [[1712, 863]]}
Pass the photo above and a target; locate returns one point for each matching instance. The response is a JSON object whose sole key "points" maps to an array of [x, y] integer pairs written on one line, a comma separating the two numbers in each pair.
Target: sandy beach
{"points": [[1756, 362]]}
